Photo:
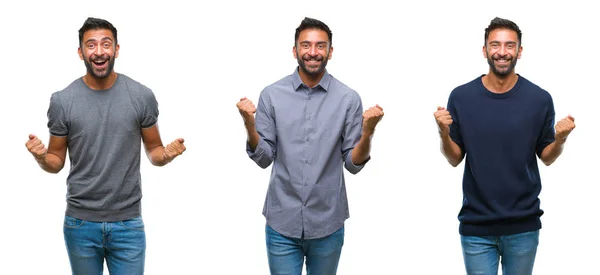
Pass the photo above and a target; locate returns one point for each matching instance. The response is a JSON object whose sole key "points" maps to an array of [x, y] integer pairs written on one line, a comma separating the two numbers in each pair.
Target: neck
{"points": [[499, 84], [309, 79], [95, 83]]}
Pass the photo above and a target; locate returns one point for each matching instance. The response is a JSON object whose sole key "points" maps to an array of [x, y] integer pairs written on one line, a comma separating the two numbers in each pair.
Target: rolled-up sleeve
{"points": [[352, 133], [265, 150]]}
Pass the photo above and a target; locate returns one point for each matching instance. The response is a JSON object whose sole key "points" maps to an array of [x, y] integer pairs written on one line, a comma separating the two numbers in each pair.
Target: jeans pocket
{"points": [[133, 224], [72, 222]]}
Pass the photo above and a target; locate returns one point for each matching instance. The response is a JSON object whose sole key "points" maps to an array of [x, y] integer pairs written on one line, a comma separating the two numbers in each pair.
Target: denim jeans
{"points": [[122, 244], [286, 255], [517, 253]]}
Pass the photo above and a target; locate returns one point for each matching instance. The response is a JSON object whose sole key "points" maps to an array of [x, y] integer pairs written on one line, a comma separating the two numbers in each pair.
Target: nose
{"points": [[98, 51], [503, 50], [313, 51]]}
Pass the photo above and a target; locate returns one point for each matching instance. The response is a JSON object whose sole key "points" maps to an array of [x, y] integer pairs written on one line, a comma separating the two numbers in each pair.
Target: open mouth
{"points": [[100, 63], [502, 62]]}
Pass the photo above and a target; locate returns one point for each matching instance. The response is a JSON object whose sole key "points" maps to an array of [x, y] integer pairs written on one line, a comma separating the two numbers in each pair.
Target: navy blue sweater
{"points": [[501, 135]]}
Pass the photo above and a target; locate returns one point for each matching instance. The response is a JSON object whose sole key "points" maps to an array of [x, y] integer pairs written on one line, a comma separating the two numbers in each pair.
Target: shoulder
{"points": [[342, 91], [133, 85], [283, 84], [534, 90], [73, 88], [467, 89], [135, 88]]}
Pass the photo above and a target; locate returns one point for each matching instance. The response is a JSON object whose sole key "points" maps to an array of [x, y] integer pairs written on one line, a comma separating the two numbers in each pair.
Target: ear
{"points": [[295, 52], [117, 50], [330, 53], [519, 53], [80, 53], [484, 52]]}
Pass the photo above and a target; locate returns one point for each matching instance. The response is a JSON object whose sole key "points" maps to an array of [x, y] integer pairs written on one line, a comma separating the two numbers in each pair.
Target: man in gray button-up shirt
{"points": [[308, 124]]}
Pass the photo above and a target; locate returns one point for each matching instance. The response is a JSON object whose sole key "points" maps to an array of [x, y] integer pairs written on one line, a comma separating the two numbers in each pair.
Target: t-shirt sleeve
{"points": [[455, 126], [57, 123], [546, 136], [150, 110]]}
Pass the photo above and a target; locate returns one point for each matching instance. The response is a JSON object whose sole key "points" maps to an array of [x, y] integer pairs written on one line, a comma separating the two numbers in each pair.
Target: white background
{"points": [[203, 211]]}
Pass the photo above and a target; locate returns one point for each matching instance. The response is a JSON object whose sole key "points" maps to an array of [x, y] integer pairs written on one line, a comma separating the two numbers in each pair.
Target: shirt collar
{"points": [[324, 83]]}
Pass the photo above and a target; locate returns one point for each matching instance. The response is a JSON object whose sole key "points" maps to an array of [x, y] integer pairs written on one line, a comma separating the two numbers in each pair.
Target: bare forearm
{"points": [[552, 151], [253, 136], [451, 150], [362, 150], [51, 163], [157, 156]]}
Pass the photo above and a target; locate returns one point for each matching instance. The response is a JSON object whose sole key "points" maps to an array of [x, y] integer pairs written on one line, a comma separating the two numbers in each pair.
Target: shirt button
{"points": [[305, 161], [305, 184], [308, 117]]}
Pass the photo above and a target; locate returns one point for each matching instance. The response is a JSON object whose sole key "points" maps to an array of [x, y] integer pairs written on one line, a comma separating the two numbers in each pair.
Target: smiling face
{"points": [[502, 49], [312, 51], [99, 51]]}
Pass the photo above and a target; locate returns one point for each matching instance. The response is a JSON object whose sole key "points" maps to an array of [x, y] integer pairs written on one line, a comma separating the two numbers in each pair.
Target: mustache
{"points": [[505, 57], [103, 57]]}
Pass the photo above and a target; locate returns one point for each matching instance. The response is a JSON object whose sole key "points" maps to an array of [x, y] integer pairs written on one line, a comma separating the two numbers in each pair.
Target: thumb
{"points": [[181, 140], [571, 118], [440, 108], [31, 136]]}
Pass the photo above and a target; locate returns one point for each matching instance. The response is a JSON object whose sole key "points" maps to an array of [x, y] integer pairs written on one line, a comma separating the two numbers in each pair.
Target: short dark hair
{"points": [[95, 24], [310, 23], [501, 23]]}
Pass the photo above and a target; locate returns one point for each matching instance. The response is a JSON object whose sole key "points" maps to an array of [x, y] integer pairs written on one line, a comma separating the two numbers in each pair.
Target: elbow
{"points": [[454, 163], [53, 171], [264, 163], [353, 172], [547, 162]]}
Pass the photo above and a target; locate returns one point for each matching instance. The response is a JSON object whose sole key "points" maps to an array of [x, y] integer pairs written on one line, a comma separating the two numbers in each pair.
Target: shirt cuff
{"points": [[354, 168]]}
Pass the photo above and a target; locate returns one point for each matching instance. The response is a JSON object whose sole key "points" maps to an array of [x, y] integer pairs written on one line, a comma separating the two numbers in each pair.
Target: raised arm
{"points": [[51, 160], [554, 149], [261, 136], [158, 154], [451, 151]]}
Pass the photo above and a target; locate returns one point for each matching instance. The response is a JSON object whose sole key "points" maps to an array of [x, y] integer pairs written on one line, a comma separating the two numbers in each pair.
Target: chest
{"points": [[102, 115]]}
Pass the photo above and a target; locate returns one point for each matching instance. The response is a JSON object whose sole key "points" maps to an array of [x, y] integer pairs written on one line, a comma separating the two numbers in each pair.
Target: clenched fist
{"points": [[564, 127], [174, 149], [371, 117], [247, 110], [36, 147], [443, 119]]}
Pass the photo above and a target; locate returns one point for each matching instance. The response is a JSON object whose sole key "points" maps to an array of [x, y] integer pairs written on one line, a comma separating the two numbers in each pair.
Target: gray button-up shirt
{"points": [[308, 133]]}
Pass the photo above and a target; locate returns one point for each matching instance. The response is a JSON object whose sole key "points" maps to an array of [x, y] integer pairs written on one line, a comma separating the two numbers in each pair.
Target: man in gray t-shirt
{"points": [[101, 118]]}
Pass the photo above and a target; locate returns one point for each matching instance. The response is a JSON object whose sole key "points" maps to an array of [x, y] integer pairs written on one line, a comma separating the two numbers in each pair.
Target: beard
{"points": [[100, 74], [502, 71], [312, 71]]}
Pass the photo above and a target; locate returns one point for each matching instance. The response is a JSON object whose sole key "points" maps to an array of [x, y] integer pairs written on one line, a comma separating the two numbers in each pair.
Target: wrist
{"points": [[560, 140], [40, 158], [368, 132]]}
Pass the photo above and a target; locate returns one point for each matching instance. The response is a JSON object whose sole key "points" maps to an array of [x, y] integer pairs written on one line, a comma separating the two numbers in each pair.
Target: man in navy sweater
{"points": [[500, 122]]}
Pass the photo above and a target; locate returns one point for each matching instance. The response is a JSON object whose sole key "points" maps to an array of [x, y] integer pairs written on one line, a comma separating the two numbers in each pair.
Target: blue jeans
{"points": [[286, 255], [481, 254], [122, 243]]}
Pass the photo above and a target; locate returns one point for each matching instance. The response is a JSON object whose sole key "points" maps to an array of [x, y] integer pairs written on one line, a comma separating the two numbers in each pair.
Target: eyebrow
{"points": [[103, 38], [308, 42], [508, 42]]}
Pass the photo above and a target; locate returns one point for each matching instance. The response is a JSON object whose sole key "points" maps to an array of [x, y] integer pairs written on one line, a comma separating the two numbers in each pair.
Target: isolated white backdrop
{"points": [[203, 211]]}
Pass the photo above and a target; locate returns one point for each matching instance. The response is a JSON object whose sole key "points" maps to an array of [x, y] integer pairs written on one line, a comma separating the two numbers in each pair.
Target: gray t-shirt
{"points": [[103, 131]]}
